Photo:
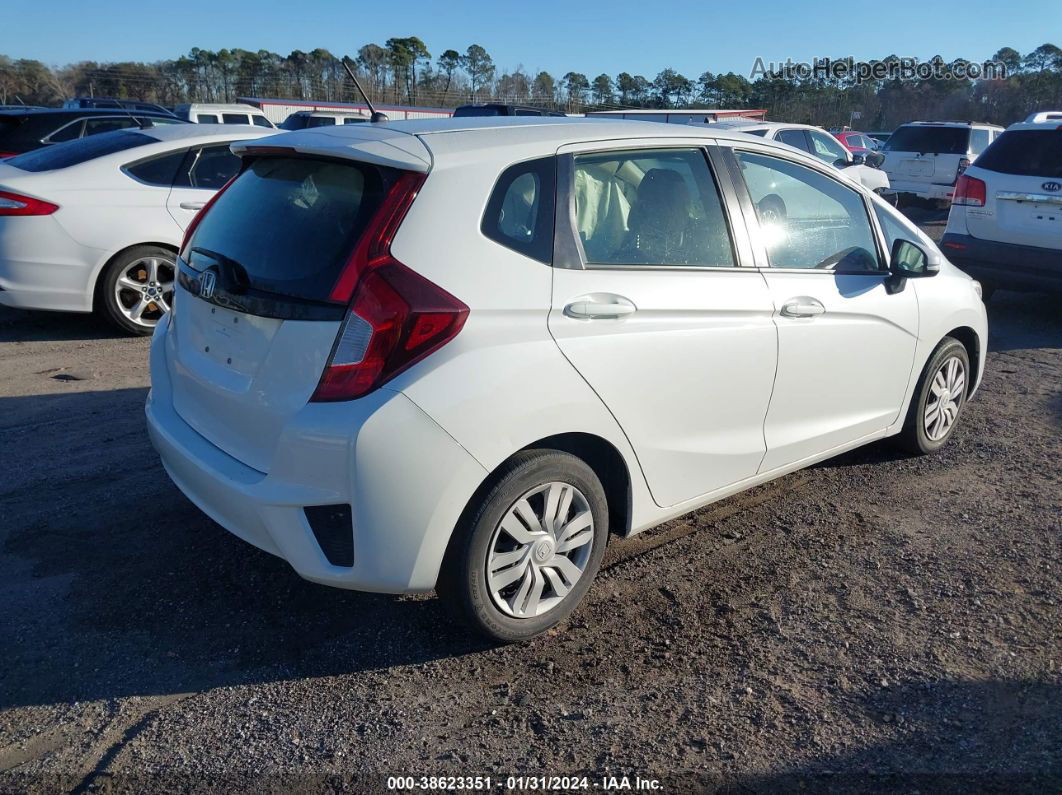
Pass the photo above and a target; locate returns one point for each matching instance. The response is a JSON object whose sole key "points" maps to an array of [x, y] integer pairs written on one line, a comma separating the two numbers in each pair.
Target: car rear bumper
{"points": [[923, 190], [1005, 265], [42, 267], [405, 479]]}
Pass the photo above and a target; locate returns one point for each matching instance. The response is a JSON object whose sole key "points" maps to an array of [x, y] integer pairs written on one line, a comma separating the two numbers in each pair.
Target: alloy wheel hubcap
{"points": [[539, 550], [144, 290], [946, 391]]}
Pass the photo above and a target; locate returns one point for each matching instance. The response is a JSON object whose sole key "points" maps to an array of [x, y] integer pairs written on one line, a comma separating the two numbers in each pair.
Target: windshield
{"points": [[290, 223], [938, 140], [1027, 153], [80, 151]]}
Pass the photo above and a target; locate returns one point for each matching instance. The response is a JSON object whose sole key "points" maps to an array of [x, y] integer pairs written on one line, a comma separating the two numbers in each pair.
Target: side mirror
{"points": [[910, 261], [841, 163], [858, 159], [874, 159]]}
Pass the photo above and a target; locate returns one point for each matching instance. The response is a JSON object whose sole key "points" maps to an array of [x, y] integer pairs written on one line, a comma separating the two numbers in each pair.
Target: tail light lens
{"points": [[16, 204], [969, 192], [396, 316], [199, 217], [7, 154]]}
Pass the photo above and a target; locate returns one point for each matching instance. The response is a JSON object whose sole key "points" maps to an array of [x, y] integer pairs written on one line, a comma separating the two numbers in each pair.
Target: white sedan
{"points": [[95, 224], [818, 143]]}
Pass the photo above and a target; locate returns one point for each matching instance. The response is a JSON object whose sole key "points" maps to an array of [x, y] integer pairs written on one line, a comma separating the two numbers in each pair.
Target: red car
{"points": [[857, 142]]}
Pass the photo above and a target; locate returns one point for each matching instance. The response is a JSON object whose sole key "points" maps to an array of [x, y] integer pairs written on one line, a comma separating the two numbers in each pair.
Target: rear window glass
{"points": [[291, 223], [474, 111], [1027, 153], [940, 140], [75, 152]]}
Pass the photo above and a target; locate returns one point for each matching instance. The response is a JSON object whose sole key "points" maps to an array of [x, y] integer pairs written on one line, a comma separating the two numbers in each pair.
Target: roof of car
{"points": [[1051, 124], [411, 144], [748, 124], [950, 123]]}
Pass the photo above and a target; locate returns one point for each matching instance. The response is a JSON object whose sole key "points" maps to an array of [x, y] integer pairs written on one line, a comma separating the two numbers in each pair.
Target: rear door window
{"points": [[978, 141], [157, 171], [316, 210], [208, 167], [1027, 153], [519, 212], [207, 118], [235, 118], [97, 126], [68, 132], [321, 121], [650, 207]]}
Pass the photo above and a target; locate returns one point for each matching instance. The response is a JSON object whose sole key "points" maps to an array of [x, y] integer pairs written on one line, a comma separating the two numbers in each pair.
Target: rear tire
{"points": [[938, 400], [136, 288], [501, 574]]}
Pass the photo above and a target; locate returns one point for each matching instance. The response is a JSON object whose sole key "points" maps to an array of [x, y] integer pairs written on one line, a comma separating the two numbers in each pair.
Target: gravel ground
{"points": [[875, 623]]}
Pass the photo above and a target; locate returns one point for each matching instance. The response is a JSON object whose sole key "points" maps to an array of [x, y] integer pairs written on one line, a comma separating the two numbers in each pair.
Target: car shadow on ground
{"points": [[23, 325], [1018, 321], [115, 585], [939, 736]]}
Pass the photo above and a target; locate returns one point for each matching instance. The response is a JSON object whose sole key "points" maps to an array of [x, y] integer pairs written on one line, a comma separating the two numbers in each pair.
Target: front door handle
{"points": [[597, 306], [803, 306], [193, 205]]}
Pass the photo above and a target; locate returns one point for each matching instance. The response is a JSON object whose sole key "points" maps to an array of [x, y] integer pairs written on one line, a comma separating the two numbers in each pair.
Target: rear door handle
{"points": [[803, 306], [597, 306], [193, 205]]}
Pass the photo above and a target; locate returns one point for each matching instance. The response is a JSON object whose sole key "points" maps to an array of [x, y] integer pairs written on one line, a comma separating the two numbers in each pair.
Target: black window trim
{"points": [[571, 248], [545, 215], [47, 140], [813, 163]]}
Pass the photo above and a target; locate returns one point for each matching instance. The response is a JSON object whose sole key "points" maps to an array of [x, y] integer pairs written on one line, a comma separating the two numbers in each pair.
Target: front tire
{"points": [[939, 399], [136, 288], [526, 552]]}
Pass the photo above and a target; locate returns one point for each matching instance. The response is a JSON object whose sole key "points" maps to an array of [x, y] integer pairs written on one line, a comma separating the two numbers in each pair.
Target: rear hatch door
{"points": [[253, 321], [928, 154], [1022, 172]]}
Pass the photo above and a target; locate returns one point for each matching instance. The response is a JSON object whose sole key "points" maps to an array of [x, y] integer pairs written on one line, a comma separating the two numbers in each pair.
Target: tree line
{"points": [[403, 71]]}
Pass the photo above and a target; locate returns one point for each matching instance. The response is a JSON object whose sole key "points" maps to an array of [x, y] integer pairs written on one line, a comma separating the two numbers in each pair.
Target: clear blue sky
{"points": [[589, 36]]}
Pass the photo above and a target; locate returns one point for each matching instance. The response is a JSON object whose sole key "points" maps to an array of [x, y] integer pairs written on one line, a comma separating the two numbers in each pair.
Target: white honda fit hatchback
{"points": [[460, 353]]}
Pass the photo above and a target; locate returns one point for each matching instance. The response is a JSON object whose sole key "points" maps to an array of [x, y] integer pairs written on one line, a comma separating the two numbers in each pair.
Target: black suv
{"points": [[494, 109], [26, 130]]}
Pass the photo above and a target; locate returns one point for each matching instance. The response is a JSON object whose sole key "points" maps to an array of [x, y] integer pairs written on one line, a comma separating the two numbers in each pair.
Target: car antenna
{"points": [[139, 123], [376, 116]]}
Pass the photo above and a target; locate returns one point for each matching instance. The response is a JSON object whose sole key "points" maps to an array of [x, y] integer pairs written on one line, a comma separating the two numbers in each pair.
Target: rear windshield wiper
{"points": [[233, 277]]}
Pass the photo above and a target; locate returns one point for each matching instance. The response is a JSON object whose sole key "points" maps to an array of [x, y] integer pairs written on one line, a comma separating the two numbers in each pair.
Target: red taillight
{"points": [[16, 204], [199, 217], [7, 154], [396, 316], [969, 192]]}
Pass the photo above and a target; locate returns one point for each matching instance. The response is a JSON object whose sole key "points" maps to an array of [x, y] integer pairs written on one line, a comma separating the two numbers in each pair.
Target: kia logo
{"points": [[207, 282], [1052, 186]]}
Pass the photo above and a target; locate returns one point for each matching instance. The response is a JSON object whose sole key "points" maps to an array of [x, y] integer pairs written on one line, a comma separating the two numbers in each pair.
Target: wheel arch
{"points": [[969, 339]]}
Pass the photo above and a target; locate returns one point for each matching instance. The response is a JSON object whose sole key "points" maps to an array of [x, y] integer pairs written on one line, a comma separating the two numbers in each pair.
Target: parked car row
{"points": [[345, 319]]}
